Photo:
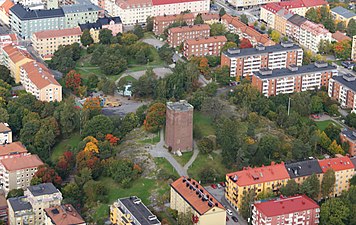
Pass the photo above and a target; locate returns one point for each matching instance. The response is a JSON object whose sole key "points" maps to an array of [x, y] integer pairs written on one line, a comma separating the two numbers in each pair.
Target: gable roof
{"points": [[303, 168], [39, 74], [169, 18], [337, 164], [58, 33], [22, 162], [12, 148], [338, 36], [343, 12]]}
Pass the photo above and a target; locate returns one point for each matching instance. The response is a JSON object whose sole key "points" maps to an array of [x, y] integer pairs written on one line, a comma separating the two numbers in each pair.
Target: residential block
{"points": [[203, 46], [340, 14], [63, 215], [343, 89], [5, 134], [83, 11], [160, 23], [12, 150], [5, 11], [131, 210], [245, 62], [187, 195], [179, 126], [20, 212], [177, 35], [349, 136], [293, 210], [300, 171], [293, 79]]}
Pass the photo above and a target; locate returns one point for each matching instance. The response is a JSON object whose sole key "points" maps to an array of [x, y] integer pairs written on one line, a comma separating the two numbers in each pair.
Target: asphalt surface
{"points": [[252, 14]]}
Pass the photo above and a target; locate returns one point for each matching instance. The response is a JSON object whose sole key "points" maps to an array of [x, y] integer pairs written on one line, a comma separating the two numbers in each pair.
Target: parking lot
{"points": [[218, 193]]}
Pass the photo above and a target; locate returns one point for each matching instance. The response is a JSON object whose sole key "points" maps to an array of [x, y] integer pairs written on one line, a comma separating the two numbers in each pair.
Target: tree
{"points": [[332, 131], [246, 201], [68, 117], [316, 104], [311, 187], [340, 26], [129, 38], [335, 148], [205, 145], [185, 218], [245, 43], [231, 37], [15, 193], [353, 180], [4, 115], [244, 19], [92, 81], [263, 27], [98, 126], [312, 15], [165, 53], [228, 45], [307, 57], [342, 49], [46, 174], [95, 191], [73, 81], [324, 140], [138, 31], [222, 12], [275, 36], [351, 28], [65, 164], [64, 59], [198, 19], [213, 107], [146, 84], [217, 29], [105, 36], [328, 183], [86, 38], [155, 118], [72, 195], [290, 189], [92, 106], [334, 211], [204, 66], [5, 75], [149, 23], [87, 160], [351, 119]]}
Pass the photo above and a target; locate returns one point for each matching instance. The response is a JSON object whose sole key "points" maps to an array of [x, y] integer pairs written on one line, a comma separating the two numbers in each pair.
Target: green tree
{"points": [[334, 148], [165, 53], [340, 26], [84, 175], [351, 119], [138, 31], [4, 115], [217, 29], [328, 183], [231, 37], [198, 19], [95, 191], [311, 187], [149, 23], [246, 201], [64, 59], [334, 211], [129, 38], [332, 131], [290, 189], [72, 194], [244, 19], [351, 28], [312, 15], [205, 145], [228, 45], [98, 126], [15, 193], [263, 27], [307, 57], [5, 75], [145, 85], [105, 36], [86, 38], [316, 104], [185, 218], [222, 12], [67, 116], [275, 36], [92, 81], [353, 180]]}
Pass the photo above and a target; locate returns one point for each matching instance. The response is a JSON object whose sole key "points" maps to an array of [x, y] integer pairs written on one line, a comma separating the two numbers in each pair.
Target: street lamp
{"points": [[289, 105]]}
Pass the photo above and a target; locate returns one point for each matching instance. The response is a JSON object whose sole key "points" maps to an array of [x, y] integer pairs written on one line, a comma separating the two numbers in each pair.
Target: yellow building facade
{"points": [[187, 196]]}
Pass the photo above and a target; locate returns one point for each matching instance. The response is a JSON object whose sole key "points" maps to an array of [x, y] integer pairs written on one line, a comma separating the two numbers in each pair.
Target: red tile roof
{"points": [[64, 215], [206, 40], [189, 28], [250, 176], [16, 54], [4, 128], [313, 3], [58, 33], [165, 2], [6, 6], [166, 18], [14, 147], [272, 7], [22, 162], [286, 205], [39, 74], [210, 16], [338, 36], [337, 164], [188, 188]]}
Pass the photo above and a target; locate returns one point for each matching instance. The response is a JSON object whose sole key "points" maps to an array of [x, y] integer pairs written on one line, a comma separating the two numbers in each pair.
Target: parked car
{"points": [[347, 64], [219, 186], [214, 186], [229, 212], [227, 219], [315, 116], [234, 218], [223, 184]]}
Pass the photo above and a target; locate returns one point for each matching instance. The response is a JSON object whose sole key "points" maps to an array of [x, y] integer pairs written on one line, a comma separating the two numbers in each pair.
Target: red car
{"points": [[222, 184], [227, 219], [214, 186]]}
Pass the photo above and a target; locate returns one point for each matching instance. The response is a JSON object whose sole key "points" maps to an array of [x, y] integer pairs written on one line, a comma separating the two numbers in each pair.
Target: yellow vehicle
{"points": [[112, 102]]}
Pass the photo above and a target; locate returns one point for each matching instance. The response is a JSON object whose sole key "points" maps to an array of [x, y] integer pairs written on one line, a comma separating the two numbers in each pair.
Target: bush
{"points": [[208, 175], [206, 145]]}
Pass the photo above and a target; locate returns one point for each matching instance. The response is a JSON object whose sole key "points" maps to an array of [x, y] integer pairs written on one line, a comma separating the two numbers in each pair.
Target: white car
{"points": [[219, 186], [229, 212]]}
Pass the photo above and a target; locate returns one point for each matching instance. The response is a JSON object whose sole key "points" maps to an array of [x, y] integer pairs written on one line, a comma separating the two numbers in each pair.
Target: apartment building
{"points": [[20, 212], [137, 11], [3, 209], [12, 150], [187, 195], [293, 210], [249, 3], [112, 23], [245, 62], [293, 79], [306, 33], [234, 25], [24, 22], [281, 19], [353, 160], [343, 89], [5, 134], [42, 196], [63, 215], [353, 48], [40, 82], [341, 14], [349, 136], [131, 210], [83, 11], [13, 58], [17, 172], [179, 126], [177, 35], [5, 11], [160, 23], [262, 179], [8, 39], [344, 170], [204, 46], [46, 42], [300, 171], [210, 18]]}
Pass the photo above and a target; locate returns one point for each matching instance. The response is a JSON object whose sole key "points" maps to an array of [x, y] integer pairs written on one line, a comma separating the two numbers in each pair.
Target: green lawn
{"points": [[212, 160], [153, 140], [184, 158], [164, 164], [322, 125], [203, 123], [64, 145]]}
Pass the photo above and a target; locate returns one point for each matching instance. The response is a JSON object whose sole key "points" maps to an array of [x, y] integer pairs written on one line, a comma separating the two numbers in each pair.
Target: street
{"points": [[218, 193], [252, 14]]}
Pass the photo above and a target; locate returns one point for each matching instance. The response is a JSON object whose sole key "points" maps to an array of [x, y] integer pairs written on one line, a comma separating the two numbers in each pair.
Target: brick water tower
{"points": [[179, 126]]}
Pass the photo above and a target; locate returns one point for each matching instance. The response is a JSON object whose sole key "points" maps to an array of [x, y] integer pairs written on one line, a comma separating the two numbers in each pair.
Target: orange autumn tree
{"points": [[204, 66], [155, 117], [93, 106], [91, 145], [73, 81], [112, 139]]}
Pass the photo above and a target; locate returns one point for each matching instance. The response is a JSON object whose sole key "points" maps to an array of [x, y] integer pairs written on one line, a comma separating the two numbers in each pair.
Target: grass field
{"points": [[65, 144], [164, 164], [322, 125], [153, 140], [203, 123], [184, 158]]}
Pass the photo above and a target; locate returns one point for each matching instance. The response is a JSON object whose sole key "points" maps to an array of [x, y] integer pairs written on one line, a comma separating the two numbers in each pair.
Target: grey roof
{"points": [[182, 105], [297, 20], [285, 72], [43, 189], [260, 51], [349, 133], [139, 211], [343, 12], [303, 168], [19, 204], [76, 8], [349, 84], [27, 14], [353, 160], [99, 23]]}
